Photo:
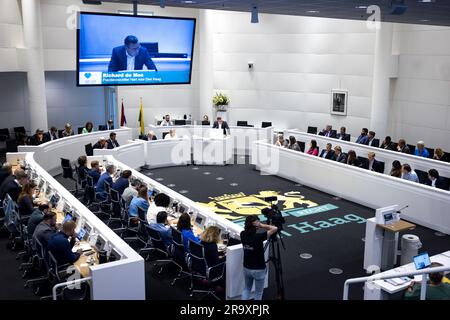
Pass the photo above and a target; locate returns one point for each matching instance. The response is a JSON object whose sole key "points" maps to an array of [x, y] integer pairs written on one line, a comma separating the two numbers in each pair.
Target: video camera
{"points": [[273, 214]]}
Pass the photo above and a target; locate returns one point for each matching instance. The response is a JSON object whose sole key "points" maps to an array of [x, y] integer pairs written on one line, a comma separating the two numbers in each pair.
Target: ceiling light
{"points": [[361, 7], [313, 11]]}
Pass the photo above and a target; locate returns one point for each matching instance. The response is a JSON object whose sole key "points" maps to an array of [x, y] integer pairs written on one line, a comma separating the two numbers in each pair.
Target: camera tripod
{"points": [[275, 258]]}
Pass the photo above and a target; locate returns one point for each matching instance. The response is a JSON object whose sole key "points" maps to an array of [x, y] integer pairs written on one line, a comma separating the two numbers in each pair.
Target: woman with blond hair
{"points": [[209, 239]]}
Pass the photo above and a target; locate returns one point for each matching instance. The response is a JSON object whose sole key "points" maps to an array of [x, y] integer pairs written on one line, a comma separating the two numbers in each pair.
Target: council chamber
{"points": [[224, 150]]}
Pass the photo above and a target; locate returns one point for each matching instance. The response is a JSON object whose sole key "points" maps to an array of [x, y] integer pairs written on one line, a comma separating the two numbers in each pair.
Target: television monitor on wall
{"points": [[116, 49]]}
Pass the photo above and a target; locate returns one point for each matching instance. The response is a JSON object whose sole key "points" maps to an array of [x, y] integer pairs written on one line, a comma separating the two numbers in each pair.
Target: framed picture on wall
{"points": [[339, 102]]}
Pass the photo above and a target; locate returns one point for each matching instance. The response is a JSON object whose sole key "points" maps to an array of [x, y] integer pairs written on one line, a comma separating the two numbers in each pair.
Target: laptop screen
{"points": [[422, 261]]}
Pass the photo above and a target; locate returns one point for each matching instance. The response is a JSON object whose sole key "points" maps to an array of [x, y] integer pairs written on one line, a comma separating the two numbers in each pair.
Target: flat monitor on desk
{"points": [[54, 200], [67, 217], [387, 215], [114, 255], [199, 221], [82, 234], [100, 243], [182, 209], [41, 183], [422, 261]]}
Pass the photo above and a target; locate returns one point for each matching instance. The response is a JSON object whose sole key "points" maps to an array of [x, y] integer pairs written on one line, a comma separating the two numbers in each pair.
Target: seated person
{"points": [[37, 138], [13, 185], [363, 138], [220, 124], [436, 288], [342, 135], [67, 130], [313, 148], [328, 152], [160, 203], [171, 135], [339, 156], [327, 132], [132, 51], [372, 142], [185, 227], [5, 172], [61, 244], [36, 217], [150, 136], [409, 174], [131, 191], [161, 225], [373, 164], [122, 182], [112, 142], [209, 239], [402, 147], [352, 159], [109, 125], [100, 144], [105, 177], [421, 151], [435, 181], [141, 201], [45, 229], [440, 155], [88, 128], [95, 171], [51, 134], [396, 170], [166, 121], [205, 119], [82, 169], [26, 199], [387, 144], [280, 141], [293, 145]]}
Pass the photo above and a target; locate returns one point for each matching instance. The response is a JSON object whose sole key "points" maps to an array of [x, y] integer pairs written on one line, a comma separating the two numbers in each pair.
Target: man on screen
{"points": [[131, 56]]}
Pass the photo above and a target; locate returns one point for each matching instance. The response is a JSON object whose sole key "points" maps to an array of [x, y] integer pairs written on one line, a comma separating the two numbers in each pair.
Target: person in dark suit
{"points": [[95, 171], [220, 124], [61, 244], [51, 134], [387, 144], [328, 132], [328, 152], [100, 144], [112, 142], [209, 239], [25, 200], [122, 182], [150, 136], [372, 164], [130, 56], [372, 141], [13, 185], [339, 156], [38, 138], [342, 135], [435, 181], [109, 125], [105, 177], [403, 147], [5, 172]]}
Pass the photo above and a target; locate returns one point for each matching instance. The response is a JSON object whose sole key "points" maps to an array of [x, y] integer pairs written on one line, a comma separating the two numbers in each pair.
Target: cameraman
{"points": [[254, 260]]}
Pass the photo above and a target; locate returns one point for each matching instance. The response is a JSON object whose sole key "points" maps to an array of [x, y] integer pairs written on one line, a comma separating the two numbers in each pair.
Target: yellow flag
{"points": [[141, 119]]}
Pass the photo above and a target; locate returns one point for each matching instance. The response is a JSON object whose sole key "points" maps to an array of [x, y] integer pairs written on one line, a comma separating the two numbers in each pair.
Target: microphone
{"points": [[400, 210]]}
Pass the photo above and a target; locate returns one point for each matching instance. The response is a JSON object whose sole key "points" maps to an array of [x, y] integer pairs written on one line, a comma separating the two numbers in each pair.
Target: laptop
{"points": [[422, 261]]}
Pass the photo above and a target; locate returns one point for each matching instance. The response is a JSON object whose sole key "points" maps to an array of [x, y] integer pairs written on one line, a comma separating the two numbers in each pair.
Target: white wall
{"points": [[297, 62], [421, 97]]}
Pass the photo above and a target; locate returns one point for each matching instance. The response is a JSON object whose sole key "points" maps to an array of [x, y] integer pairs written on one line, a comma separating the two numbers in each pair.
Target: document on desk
{"points": [[82, 246], [398, 281]]}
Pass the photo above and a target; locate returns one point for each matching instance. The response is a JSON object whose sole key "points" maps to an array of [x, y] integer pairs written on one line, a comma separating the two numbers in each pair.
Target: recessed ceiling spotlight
{"points": [[424, 20], [361, 7], [188, 1], [313, 11], [426, 1]]}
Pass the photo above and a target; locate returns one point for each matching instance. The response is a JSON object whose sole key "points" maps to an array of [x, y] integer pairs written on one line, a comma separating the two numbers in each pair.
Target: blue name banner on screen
{"points": [[115, 49]]}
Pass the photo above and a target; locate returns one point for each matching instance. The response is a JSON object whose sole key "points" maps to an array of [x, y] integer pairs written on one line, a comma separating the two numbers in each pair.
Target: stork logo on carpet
{"points": [[235, 207]]}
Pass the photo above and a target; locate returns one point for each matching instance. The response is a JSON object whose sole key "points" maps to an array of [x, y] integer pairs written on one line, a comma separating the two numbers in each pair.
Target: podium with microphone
{"points": [[381, 242]]}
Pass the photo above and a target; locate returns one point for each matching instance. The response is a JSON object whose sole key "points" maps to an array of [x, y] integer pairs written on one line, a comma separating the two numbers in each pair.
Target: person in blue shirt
{"points": [[95, 171], [123, 182], [141, 201], [105, 177], [409, 174], [421, 151], [162, 227], [185, 227], [363, 138], [61, 244]]}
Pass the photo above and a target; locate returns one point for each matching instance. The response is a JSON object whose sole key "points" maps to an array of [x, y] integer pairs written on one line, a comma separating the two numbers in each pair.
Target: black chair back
{"points": [[156, 239], [5, 132], [60, 133], [80, 129], [266, 124], [312, 130], [206, 123], [178, 251], [301, 145], [180, 122], [197, 258], [115, 200], [364, 162], [376, 143], [67, 168], [431, 152], [333, 133], [382, 166], [90, 188], [88, 149], [422, 175], [412, 148], [102, 127], [11, 146], [164, 134], [242, 123]]}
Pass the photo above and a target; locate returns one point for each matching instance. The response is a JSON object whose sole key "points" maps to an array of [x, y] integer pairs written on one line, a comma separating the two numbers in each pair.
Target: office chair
{"points": [[312, 130], [142, 229], [116, 209], [180, 122], [88, 149], [242, 123], [60, 133], [430, 152], [422, 175], [158, 246], [91, 196], [43, 265], [126, 226], [102, 127], [179, 256], [18, 131], [68, 174], [301, 145], [364, 162], [200, 269], [80, 130], [266, 124], [4, 133], [206, 123], [412, 148], [376, 143], [11, 146], [164, 134]]}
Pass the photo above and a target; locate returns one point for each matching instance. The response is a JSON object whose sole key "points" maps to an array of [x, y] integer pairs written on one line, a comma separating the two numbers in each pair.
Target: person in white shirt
{"points": [[171, 135], [131, 191], [160, 203], [280, 141], [166, 121]]}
